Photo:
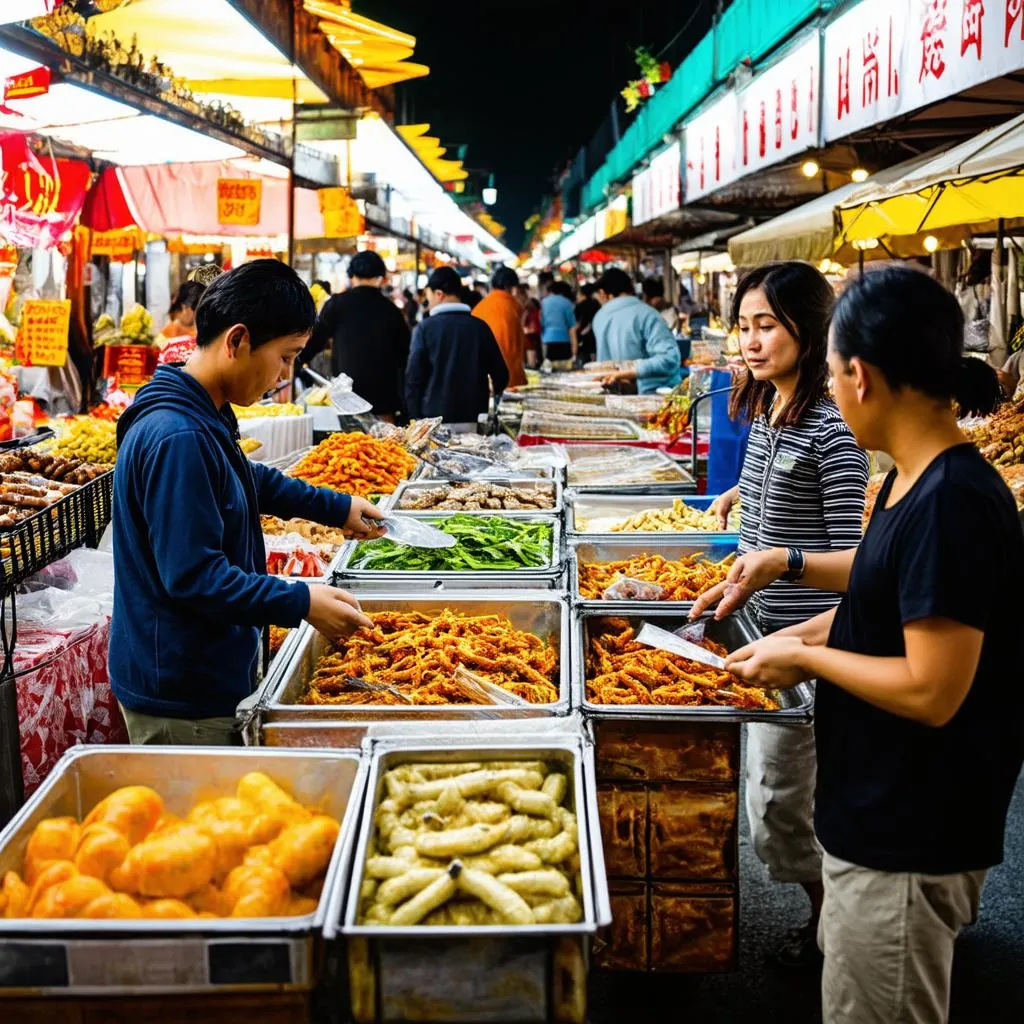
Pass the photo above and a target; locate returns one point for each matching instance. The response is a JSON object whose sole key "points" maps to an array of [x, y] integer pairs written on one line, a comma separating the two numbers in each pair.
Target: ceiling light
{"points": [[490, 196], [858, 174], [810, 168], [864, 244], [931, 243]]}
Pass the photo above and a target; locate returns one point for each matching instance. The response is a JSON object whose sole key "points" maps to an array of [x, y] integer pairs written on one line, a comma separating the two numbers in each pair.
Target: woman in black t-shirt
{"points": [[919, 726]]}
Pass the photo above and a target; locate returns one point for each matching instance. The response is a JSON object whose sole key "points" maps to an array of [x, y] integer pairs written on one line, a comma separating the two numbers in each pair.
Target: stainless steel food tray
{"points": [[541, 612], [622, 546], [681, 482], [734, 632], [70, 956], [563, 428], [425, 472], [543, 576], [594, 505], [551, 487]]}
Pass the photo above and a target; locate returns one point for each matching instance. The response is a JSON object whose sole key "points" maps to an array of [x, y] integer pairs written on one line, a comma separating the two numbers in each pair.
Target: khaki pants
{"points": [[888, 942], [194, 732], [781, 767]]}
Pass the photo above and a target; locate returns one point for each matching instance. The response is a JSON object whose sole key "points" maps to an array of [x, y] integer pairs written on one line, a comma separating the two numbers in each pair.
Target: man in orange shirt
{"points": [[501, 311]]}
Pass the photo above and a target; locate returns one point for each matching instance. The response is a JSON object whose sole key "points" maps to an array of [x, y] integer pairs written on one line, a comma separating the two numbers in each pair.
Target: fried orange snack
{"points": [[683, 580], [356, 464]]}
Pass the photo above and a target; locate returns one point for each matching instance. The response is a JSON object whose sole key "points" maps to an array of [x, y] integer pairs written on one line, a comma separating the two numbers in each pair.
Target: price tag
{"points": [[239, 201], [43, 334]]}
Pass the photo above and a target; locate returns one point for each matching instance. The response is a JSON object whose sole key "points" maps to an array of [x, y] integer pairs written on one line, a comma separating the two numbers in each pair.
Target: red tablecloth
{"points": [[64, 695]]}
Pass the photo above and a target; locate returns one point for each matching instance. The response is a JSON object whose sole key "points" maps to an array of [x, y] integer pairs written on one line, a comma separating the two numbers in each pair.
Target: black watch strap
{"points": [[795, 565]]}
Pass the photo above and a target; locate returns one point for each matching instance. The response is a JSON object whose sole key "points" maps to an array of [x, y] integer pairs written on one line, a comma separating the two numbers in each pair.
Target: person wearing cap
{"points": [[453, 358], [630, 332], [368, 335], [502, 313]]}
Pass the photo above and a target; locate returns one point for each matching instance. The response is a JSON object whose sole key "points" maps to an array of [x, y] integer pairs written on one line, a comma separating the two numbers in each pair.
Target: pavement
{"points": [[988, 969]]}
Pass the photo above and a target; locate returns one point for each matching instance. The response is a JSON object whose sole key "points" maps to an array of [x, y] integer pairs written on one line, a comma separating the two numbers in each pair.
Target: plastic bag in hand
{"points": [[626, 588]]}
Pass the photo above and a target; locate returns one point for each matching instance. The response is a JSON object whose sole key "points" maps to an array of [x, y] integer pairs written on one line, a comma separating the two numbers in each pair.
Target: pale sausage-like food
{"points": [[481, 843]]}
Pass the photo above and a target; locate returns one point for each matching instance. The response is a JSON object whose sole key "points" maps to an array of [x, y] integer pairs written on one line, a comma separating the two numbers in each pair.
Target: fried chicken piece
{"points": [[101, 850], [133, 811], [14, 896], [112, 906], [270, 800], [302, 852], [54, 839], [69, 898], [172, 864], [256, 890], [167, 910]]}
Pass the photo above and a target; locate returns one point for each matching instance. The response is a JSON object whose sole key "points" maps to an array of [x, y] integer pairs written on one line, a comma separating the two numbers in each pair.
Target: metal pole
{"points": [[291, 165]]}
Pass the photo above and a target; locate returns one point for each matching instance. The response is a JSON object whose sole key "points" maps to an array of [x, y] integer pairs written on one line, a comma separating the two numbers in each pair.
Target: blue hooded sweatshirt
{"points": [[191, 592]]}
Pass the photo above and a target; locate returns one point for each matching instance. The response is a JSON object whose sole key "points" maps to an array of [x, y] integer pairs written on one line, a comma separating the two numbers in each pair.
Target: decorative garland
{"points": [[653, 74]]}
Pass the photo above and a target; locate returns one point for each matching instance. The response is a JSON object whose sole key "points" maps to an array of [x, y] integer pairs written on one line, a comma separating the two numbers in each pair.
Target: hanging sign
{"points": [[28, 84], [239, 201], [711, 148], [342, 217], [656, 188], [120, 245], [43, 333], [130, 365], [885, 58]]}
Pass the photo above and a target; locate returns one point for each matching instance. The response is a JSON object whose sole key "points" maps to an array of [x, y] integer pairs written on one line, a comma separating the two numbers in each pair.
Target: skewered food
{"points": [[622, 671], [682, 580], [256, 854], [484, 544], [477, 497], [476, 843], [356, 464], [417, 655], [679, 518]]}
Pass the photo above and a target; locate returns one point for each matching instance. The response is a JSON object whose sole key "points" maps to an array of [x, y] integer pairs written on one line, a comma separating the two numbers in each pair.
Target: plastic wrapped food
{"points": [[684, 579], [592, 466], [628, 588], [540, 424]]}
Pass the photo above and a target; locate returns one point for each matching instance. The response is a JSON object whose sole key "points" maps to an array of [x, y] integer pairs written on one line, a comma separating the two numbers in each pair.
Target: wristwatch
{"points": [[795, 566]]}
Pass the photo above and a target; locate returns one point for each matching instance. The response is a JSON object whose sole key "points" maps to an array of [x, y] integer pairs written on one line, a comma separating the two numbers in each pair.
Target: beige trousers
{"points": [[194, 732], [888, 942]]}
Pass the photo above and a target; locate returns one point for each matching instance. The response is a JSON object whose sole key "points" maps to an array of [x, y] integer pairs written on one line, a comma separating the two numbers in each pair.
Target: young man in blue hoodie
{"points": [[191, 593]]}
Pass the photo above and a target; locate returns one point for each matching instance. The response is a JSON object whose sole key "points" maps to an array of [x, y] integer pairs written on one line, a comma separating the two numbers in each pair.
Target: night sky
{"points": [[526, 84]]}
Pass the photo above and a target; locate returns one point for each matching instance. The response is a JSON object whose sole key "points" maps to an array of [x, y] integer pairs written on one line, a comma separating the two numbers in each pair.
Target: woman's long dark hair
{"points": [[801, 300], [188, 297], [905, 323]]}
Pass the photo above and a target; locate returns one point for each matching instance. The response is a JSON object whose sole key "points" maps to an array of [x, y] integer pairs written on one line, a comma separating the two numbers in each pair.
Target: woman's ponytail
{"points": [[976, 388]]}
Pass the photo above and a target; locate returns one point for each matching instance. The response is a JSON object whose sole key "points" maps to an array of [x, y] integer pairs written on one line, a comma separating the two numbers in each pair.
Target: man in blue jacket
{"points": [[631, 332], [452, 357], [191, 593]]}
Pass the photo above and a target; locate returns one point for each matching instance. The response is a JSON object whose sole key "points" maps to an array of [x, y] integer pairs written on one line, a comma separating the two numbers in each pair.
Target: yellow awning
{"points": [[431, 152], [967, 188]]}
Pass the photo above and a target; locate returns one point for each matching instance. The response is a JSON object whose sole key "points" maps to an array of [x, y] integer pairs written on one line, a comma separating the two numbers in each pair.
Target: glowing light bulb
{"points": [[931, 243], [858, 174], [810, 168]]}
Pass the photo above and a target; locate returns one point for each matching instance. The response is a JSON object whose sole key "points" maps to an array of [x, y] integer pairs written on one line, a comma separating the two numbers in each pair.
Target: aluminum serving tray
{"points": [[451, 973], [551, 487], [682, 481], [288, 723], [426, 472], [80, 957], [539, 577], [734, 632], [594, 505], [626, 545]]}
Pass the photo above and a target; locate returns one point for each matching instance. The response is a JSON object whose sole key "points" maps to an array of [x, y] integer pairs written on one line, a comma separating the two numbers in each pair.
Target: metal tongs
{"points": [[362, 684]]}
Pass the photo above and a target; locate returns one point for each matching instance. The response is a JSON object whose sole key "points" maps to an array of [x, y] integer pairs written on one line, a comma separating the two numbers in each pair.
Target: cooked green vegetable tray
{"points": [[484, 544]]}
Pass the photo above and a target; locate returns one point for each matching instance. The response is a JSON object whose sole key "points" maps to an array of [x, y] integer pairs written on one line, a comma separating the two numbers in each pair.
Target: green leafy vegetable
{"points": [[485, 544]]}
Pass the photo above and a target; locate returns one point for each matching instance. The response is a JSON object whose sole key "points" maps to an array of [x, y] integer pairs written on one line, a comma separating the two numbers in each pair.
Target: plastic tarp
{"points": [[969, 186], [751, 28]]}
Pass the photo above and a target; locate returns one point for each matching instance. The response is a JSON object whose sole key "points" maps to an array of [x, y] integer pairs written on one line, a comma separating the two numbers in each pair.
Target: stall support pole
{"points": [[291, 165], [12, 784], [667, 277]]}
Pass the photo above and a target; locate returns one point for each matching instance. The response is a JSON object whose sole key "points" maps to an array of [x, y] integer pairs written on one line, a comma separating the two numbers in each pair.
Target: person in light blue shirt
{"points": [[558, 322], [629, 331]]}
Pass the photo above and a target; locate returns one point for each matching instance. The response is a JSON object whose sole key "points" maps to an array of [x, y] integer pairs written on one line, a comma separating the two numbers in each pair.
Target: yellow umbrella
{"points": [[969, 187]]}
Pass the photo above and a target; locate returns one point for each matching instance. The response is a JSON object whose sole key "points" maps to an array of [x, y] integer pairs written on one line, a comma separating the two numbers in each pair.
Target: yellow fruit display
{"points": [[89, 439], [252, 412]]}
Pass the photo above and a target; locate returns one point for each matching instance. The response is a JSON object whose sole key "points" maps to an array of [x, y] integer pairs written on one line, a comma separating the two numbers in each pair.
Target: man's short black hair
{"points": [[444, 279], [504, 278], [615, 282], [367, 265], [267, 296], [326, 285], [653, 288]]}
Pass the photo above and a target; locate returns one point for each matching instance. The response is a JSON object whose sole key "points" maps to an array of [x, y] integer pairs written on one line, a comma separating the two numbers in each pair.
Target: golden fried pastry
{"points": [[172, 864], [209, 900], [233, 825], [14, 896], [167, 910], [69, 898], [270, 799], [53, 839], [257, 890], [134, 811], [299, 906], [112, 906], [101, 849], [55, 873], [303, 851]]}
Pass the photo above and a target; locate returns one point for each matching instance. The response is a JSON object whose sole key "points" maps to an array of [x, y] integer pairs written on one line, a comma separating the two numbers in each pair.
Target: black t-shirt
{"points": [[893, 794]]}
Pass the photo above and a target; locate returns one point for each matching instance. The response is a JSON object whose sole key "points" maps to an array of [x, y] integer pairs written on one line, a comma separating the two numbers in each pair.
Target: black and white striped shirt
{"points": [[802, 487]]}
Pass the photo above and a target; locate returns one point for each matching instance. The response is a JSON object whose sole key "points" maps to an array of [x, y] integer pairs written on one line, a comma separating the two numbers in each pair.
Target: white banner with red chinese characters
{"points": [[656, 188], [889, 57], [774, 117], [22, 10]]}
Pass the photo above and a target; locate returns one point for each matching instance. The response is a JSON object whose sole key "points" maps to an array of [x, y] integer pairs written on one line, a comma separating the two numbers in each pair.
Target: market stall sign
{"points": [[711, 148], [656, 188], [130, 365], [120, 244], [885, 58], [613, 219], [341, 213], [239, 201], [24, 86], [43, 332]]}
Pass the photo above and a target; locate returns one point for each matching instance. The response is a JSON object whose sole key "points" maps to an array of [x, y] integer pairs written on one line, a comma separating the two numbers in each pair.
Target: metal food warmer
{"points": [[287, 723], [668, 781], [551, 488], [592, 506]]}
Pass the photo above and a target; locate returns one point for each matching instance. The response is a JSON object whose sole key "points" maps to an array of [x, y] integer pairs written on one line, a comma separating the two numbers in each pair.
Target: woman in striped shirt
{"points": [[802, 486]]}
